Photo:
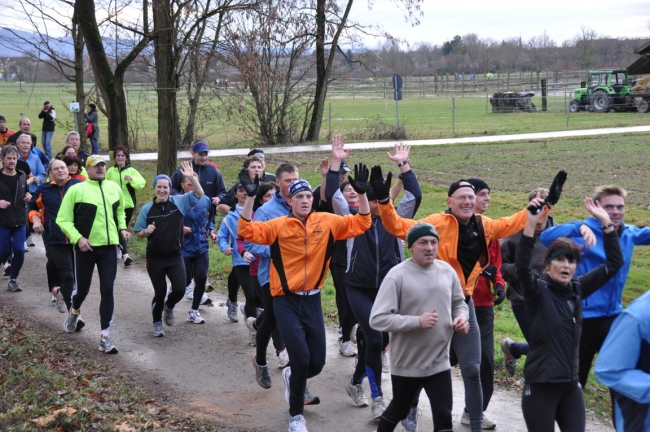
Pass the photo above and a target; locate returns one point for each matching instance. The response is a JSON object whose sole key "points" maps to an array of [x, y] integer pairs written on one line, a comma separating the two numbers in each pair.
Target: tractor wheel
{"points": [[574, 106], [601, 101], [642, 106]]}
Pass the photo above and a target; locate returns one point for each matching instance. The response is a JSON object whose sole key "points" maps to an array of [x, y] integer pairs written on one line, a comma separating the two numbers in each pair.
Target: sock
{"points": [[75, 311], [104, 333]]}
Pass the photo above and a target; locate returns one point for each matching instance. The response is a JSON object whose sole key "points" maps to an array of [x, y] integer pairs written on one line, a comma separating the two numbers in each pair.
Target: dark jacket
{"points": [[93, 117], [210, 179], [509, 245], [229, 197], [48, 198], [48, 120], [16, 214], [372, 254], [555, 313]]}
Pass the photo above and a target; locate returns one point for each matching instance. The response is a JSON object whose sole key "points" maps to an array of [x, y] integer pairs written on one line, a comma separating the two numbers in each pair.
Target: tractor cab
{"points": [[605, 90]]}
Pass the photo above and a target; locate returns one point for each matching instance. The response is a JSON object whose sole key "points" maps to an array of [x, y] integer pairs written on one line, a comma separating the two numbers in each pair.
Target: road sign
{"points": [[74, 107], [397, 95], [397, 82]]}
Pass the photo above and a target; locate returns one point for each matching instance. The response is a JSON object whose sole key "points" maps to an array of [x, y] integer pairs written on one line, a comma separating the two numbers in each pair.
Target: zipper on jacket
{"points": [[108, 237], [304, 287], [374, 227]]}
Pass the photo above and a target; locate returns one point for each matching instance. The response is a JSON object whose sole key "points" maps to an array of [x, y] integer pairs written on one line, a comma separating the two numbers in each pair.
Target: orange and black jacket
{"points": [[45, 204], [300, 253], [447, 226]]}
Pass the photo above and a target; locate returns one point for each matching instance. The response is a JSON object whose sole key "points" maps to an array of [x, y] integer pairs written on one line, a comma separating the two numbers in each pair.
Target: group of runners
{"points": [[430, 311]]}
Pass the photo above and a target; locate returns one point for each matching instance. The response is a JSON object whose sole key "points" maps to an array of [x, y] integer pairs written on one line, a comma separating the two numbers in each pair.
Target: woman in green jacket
{"points": [[129, 180]]}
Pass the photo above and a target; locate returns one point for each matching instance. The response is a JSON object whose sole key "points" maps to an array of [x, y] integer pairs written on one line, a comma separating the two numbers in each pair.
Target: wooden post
{"points": [[544, 92]]}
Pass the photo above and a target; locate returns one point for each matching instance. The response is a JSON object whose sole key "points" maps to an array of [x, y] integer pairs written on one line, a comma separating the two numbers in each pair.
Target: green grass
{"points": [[360, 119]]}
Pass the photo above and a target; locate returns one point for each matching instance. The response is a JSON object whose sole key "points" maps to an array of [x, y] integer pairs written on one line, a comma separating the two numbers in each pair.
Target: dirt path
{"points": [[207, 368]]}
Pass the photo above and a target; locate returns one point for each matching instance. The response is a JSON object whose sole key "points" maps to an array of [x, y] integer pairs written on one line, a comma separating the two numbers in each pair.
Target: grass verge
{"points": [[48, 385]]}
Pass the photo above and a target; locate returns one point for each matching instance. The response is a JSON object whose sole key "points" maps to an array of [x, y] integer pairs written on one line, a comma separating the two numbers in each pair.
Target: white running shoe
{"points": [[347, 349], [356, 392], [353, 334], [107, 346], [378, 407], [252, 333], [168, 316], [298, 424], [385, 364], [60, 302], [158, 330], [232, 311], [194, 317], [410, 423], [283, 359], [189, 292], [286, 377]]}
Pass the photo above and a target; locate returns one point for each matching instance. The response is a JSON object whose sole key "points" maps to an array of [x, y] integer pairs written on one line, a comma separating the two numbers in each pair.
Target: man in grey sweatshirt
{"points": [[421, 304]]}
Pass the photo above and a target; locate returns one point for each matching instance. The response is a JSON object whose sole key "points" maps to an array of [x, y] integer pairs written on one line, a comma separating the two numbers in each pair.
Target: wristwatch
{"points": [[401, 164], [609, 225]]}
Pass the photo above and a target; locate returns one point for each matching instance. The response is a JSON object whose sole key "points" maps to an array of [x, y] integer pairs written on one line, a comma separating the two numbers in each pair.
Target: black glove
{"points": [[380, 186], [251, 187], [360, 181], [499, 294], [554, 193], [490, 272]]}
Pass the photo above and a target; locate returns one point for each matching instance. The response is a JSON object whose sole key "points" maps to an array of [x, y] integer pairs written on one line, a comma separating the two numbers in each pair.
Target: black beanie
{"points": [[2, 118], [478, 184]]}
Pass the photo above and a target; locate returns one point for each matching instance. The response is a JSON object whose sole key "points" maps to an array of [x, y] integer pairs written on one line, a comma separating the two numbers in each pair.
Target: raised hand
{"points": [[186, 169], [324, 166], [338, 152], [597, 211], [401, 153], [555, 190], [360, 181], [380, 186], [251, 187]]}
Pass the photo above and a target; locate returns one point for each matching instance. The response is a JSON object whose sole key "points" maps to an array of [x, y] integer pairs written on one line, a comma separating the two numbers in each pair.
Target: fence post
{"points": [[329, 121], [453, 115], [544, 93]]}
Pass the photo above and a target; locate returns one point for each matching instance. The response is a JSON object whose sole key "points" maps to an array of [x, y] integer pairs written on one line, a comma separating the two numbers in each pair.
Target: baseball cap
{"points": [[344, 168], [457, 185], [200, 146], [94, 160], [256, 152], [46, 103]]}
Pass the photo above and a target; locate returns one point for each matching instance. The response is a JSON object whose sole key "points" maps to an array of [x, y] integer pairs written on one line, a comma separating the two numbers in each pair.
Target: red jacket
{"points": [[483, 292]]}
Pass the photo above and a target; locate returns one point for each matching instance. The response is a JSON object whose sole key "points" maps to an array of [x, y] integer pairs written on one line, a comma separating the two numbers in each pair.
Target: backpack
{"points": [[90, 129]]}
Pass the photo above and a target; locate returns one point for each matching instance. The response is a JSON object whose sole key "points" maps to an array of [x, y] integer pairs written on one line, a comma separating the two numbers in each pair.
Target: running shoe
{"points": [[252, 333], [486, 423], [30, 241], [189, 291], [356, 392], [309, 399], [127, 260], [70, 323], [385, 364], [262, 375], [283, 359], [378, 407], [208, 287], [353, 334], [80, 323], [53, 292], [168, 316], [119, 252], [509, 361], [13, 286], [194, 317], [347, 349], [158, 330], [107, 346], [410, 423], [340, 336], [60, 302], [286, 377], [298, 423], [7, 266], [206, 301], [232, 310]]}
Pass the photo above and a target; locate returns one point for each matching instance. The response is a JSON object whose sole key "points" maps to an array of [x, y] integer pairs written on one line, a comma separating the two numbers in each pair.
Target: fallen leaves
{"points": [[50, 419]]}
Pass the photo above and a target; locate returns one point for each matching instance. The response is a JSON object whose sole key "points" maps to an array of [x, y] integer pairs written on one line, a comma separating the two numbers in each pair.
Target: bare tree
{"points": [[110, 83], [511, 54], [541, 53], [585, 47]]}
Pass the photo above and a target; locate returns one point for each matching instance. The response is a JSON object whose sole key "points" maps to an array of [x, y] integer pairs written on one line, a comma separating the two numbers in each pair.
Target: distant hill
{"points": [[9, 41]]}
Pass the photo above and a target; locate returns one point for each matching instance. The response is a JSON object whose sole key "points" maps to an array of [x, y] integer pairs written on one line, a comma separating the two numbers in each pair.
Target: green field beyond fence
{"points": [[357, 109]]}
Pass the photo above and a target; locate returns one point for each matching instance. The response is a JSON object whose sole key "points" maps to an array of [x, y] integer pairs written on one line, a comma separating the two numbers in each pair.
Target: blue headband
{"points": [[161, 176]]}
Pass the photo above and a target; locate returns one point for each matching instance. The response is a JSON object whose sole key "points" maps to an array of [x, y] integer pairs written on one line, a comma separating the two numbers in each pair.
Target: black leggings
{"points": [[233, 286], [197, 267], [105, 259], [62, 256], [545, 403], [243, 274], [405, 389], [485, 319], [123, 245], [594, 332], [172, 267], [346, 317], [267, 326]]}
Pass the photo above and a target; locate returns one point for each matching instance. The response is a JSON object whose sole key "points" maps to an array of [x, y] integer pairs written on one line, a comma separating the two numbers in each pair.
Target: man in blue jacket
{"points": [[623, 365], [601, 308]]}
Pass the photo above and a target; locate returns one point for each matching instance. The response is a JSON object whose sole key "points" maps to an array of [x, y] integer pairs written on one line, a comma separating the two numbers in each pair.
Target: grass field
{"points": [[361, 119]]}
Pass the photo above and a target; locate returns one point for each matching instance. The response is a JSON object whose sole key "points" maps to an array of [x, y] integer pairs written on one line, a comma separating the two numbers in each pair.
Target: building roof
{"points": [[642, 65]]}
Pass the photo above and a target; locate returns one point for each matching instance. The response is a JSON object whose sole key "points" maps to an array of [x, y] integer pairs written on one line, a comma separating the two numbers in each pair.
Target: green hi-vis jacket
{"points": [[137, 182], [93, 209]]}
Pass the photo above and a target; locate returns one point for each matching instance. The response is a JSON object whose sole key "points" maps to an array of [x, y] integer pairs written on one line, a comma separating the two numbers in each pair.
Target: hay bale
{"points": [[642, 84]]}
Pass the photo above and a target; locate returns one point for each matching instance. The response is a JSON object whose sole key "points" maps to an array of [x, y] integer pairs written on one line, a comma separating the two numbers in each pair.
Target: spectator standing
{"points": [[48, 115], [92, 118], [5, 133]]}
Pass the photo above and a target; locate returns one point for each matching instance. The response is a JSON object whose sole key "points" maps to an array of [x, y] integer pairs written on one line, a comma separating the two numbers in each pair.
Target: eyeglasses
{"points": [[465, 197], [612, 207]]}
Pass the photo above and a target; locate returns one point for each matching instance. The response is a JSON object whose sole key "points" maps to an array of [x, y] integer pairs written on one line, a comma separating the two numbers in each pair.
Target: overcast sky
{"points": [[501, 19]]}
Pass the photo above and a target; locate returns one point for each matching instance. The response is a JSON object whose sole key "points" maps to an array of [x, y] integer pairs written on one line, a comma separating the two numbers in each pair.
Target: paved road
{"points": [[207, 368], [431, 142]]}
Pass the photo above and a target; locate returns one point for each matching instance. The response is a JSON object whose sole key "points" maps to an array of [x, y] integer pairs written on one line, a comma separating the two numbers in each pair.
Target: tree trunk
{"points": [[78, 43], [167, 85], [109, 83], [323, 70]]}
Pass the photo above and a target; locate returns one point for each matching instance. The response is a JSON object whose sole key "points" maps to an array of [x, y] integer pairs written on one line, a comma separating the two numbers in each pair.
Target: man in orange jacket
{"points": [[465, 238], [301, 247]]}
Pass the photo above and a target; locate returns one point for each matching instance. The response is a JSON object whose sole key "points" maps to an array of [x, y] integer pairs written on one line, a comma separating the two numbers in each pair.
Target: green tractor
{"points": [[605, 91]]}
